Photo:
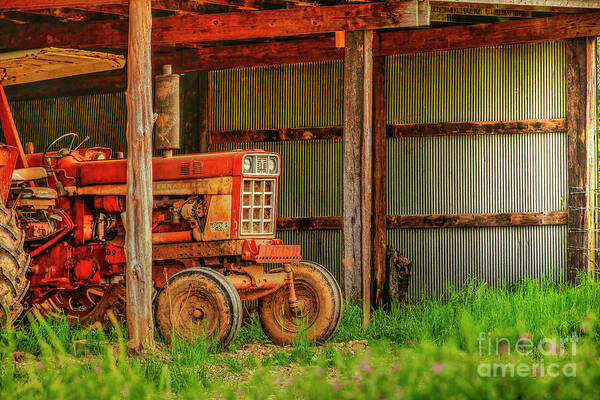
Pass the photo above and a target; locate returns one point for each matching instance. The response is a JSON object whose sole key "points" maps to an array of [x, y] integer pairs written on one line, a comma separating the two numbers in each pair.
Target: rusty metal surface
{"points": [[198, 303], [316, 298], [87, 305]]}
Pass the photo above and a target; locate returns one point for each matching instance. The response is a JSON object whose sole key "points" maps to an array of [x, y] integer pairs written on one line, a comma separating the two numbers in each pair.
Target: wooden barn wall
{"points": [[495, 173]]}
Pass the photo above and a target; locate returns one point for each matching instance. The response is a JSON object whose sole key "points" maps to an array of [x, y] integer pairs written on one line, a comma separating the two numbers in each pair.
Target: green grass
{"points": [[414, 351]]}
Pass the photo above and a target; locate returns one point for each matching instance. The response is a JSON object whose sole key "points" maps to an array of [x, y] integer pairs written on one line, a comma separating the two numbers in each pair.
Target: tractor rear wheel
{"points": [[199, 303], [318, 311], [14, 262]]}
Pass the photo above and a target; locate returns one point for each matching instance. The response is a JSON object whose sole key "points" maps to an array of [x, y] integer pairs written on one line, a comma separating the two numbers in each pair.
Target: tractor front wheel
{"points": [[14, 262], [316, 313], [199, 303]]}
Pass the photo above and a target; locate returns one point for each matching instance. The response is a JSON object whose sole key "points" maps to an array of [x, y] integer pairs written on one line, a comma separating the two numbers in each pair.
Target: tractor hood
{"points": [[194, 166]]}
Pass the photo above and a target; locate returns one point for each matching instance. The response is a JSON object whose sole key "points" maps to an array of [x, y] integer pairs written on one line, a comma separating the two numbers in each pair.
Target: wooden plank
{"points": [[366, 178], [402, 130], [170, 31], [138, 238], [433, 221], [478, 128], [308, 223], [357, 167], [20, 5], [488, 35], [310, 50], [379, 179], [582, 156], [535, 5], [275, 135], [476, 220], [173, 5]]}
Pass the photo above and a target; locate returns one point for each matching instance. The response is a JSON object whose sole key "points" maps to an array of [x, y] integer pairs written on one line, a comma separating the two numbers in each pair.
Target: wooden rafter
{"points": [[174, 30], [534, 5]]}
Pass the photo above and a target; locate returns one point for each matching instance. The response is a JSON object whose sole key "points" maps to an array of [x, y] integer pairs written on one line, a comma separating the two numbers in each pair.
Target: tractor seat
{"points": [[29, 174]]}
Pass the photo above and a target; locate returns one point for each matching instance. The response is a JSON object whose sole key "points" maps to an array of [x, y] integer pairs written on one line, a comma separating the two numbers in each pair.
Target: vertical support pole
{"points": [[582, 155], [140, 120], [357, 165], [379, 179], [203, 105]]}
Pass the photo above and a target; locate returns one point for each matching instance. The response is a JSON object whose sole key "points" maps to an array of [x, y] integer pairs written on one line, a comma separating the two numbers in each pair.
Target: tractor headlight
{"points": [[247, 164], [272, 165]]}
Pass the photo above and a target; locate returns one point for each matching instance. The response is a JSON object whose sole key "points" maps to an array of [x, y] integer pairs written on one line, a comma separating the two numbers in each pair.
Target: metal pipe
{"points": [[172, 237]]}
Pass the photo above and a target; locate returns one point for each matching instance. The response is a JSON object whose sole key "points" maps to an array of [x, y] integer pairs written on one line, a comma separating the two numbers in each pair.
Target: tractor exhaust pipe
{"points": [[166, 103]]}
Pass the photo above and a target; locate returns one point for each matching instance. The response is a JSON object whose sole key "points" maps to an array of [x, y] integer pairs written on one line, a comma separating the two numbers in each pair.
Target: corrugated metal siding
{"points": [[477, 174], [299, 95], [322, 247], [448, 257], [102, 117], [311, 176], [526, 81], [425, 175]]}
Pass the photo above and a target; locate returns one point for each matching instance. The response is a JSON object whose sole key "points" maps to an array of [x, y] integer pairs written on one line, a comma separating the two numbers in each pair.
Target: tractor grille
{"points": [[258, 206], [262, 163]]}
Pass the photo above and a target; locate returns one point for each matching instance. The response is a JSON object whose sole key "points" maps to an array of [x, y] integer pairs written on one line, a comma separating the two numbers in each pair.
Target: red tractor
{"points": [[62, 237]]}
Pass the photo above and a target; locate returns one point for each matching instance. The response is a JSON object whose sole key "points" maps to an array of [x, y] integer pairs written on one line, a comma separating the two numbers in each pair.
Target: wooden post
{"points": [[140, 120], [203, 104], [379, 177], [582, 156], [357, 165]]}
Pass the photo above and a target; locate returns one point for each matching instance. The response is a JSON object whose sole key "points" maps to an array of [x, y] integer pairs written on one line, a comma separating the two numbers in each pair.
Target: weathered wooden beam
{"points": [[138, 238], [170, 31], [535, 5], [21, 5], [489, 35], [379, 178], [399, 130], [478, 128], [476, 220], [275, 135], [357, 172], [308, 223], [582, 156], [433, 221]]}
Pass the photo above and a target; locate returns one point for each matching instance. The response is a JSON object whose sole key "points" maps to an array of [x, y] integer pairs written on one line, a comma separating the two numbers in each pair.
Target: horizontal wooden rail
{"points": [[478, 128], [403, 130], [429, 221]]}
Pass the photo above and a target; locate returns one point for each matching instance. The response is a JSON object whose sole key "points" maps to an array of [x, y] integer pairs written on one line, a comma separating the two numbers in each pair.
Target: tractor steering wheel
{"points": [[60, 152]]}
